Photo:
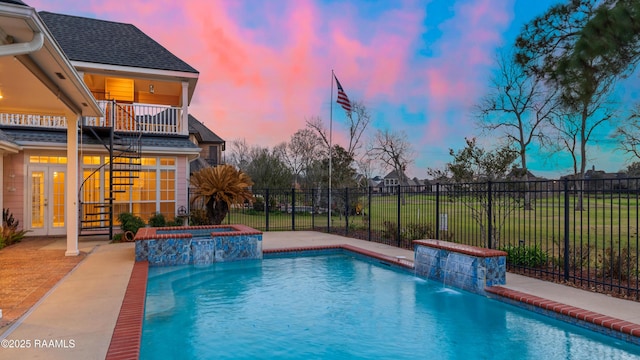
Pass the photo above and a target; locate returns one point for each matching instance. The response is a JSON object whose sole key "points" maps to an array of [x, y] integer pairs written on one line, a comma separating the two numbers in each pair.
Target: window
{"points": [[154, 190], [48, 159], [213, 155]]}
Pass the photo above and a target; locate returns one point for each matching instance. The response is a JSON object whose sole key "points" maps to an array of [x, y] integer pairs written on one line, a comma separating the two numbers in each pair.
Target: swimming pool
{"points": [[339, 306]]}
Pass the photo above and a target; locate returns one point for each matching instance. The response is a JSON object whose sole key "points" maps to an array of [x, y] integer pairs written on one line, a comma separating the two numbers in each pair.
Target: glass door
{"points": [[46, 194]]}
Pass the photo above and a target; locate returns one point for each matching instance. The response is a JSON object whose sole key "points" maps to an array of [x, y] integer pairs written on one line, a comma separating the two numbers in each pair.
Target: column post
{"points": [[71, 191], [184, 126]]}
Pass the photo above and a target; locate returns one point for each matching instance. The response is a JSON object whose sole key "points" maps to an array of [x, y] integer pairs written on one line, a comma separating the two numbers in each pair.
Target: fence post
{"points": [[398, 217], [266, 211], [313, 209], [369, 214], [438, 211], [489, 215], [346, 211], [566, 229], [293, 209]]}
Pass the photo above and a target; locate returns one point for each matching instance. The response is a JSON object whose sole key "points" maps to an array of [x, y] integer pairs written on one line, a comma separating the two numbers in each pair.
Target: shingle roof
{"points": [[16, 2], [23, 136], [197, 165], [3, 136], [204, 133], [111, 43]]}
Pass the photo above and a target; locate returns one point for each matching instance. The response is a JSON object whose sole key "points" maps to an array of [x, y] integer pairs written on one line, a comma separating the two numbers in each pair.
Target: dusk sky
{"points": [[265, 66]]}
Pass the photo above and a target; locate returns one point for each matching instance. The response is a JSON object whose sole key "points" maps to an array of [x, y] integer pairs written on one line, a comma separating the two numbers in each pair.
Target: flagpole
{"points": [[330, 148]]}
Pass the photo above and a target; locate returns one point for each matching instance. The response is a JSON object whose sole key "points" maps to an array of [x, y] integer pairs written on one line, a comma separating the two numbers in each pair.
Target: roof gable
{"points": [[111, 43], [204, 134]]}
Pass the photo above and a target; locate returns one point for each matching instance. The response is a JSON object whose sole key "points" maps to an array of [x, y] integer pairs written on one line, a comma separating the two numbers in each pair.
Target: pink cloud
{"points": [[262, 77], [456, 77]]}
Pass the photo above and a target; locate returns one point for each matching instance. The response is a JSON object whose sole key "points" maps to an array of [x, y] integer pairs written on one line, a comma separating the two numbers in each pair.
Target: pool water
{"points": [[341, 307]]}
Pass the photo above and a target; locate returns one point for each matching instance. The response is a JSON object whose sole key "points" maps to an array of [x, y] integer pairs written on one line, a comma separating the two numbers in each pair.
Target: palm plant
{"points": [[220, 187]]}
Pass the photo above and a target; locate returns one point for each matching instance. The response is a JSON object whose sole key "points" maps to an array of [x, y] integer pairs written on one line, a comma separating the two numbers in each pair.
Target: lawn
{"points": [[604, 221]]}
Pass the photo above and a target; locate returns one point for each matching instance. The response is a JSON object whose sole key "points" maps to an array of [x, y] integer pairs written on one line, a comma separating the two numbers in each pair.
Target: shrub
{"points": [[390, 230], [175, 222], [10, 233], [616, 265], [157, 220], [418, 231], [130, 223], [529, 256], [578, 257], [258, 203], [198, 217]]}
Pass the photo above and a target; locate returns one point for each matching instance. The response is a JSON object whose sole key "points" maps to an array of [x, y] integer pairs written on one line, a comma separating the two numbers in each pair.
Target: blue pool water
{"points": [[340, 307]]}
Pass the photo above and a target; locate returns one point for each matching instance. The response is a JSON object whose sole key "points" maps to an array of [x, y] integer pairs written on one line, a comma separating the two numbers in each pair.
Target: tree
{"points": [[611, 38], [473, 170], [343, 175], [554, 48], [520, 107], [220, 187], [239, 154], [473, 163], [300, 152], [357, 124], [633, 170], [629, 135], [393, 150], [267, 169]]}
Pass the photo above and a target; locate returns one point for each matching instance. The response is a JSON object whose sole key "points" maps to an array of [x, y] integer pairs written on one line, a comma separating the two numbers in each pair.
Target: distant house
{"points": [[211, 145], [517, 175], [390, 183], [595, 180]]}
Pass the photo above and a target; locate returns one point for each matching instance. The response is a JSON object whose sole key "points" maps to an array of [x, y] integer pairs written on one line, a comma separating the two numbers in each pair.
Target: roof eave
{"points": [[107, 69], [71, 90]]}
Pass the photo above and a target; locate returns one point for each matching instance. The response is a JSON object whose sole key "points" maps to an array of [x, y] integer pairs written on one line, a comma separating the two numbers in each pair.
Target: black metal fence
{"points": [[580, 231]]}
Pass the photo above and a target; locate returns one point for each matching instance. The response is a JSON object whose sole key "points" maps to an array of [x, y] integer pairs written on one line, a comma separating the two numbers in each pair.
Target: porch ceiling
{"points": [[42, 81], [23, 92]]}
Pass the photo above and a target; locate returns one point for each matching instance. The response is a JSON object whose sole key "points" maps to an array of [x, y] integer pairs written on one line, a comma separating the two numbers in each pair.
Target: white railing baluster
{"points": [[151, 119]]}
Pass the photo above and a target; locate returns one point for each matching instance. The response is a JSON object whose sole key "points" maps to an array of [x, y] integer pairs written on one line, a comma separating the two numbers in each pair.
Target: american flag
{"points": [[343, 100]]}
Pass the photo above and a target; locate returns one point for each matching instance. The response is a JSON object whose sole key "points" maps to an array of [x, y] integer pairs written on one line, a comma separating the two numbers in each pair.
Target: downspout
{"points": [[12, 49]]}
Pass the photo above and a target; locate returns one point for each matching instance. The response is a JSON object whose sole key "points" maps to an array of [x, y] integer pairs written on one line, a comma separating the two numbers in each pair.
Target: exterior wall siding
{"points": [[182, 182], [14, 186]]}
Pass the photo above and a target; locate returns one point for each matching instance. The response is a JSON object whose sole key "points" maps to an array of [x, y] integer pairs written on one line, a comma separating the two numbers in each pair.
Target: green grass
{"points": [[602, 223]]}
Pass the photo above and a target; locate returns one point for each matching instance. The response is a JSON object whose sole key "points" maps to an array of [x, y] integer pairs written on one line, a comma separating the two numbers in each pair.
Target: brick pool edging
{"points": [[148, 233], [604, 324], [127, 334]]}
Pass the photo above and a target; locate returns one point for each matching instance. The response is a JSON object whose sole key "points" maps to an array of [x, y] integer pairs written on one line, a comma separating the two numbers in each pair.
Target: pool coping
{"points": [[604, 324], [127, 334], [151, 233]]}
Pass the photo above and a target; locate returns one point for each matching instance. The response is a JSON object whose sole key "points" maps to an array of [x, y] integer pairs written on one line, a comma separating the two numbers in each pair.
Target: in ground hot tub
{"points": [[200, 245]]}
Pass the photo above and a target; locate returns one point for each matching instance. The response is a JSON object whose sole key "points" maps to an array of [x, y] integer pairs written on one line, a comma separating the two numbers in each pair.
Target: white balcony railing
{"points": [[150, 119], [34, 120]]}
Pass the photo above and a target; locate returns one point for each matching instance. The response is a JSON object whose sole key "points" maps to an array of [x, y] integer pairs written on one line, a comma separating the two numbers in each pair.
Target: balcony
{"points": [[149, 119]]}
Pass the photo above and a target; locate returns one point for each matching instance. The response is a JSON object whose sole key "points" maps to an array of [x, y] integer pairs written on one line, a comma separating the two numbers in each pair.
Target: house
{"points": [[211, 145], [599, 180], [133, 150], [40, 89], [392, 180]]}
